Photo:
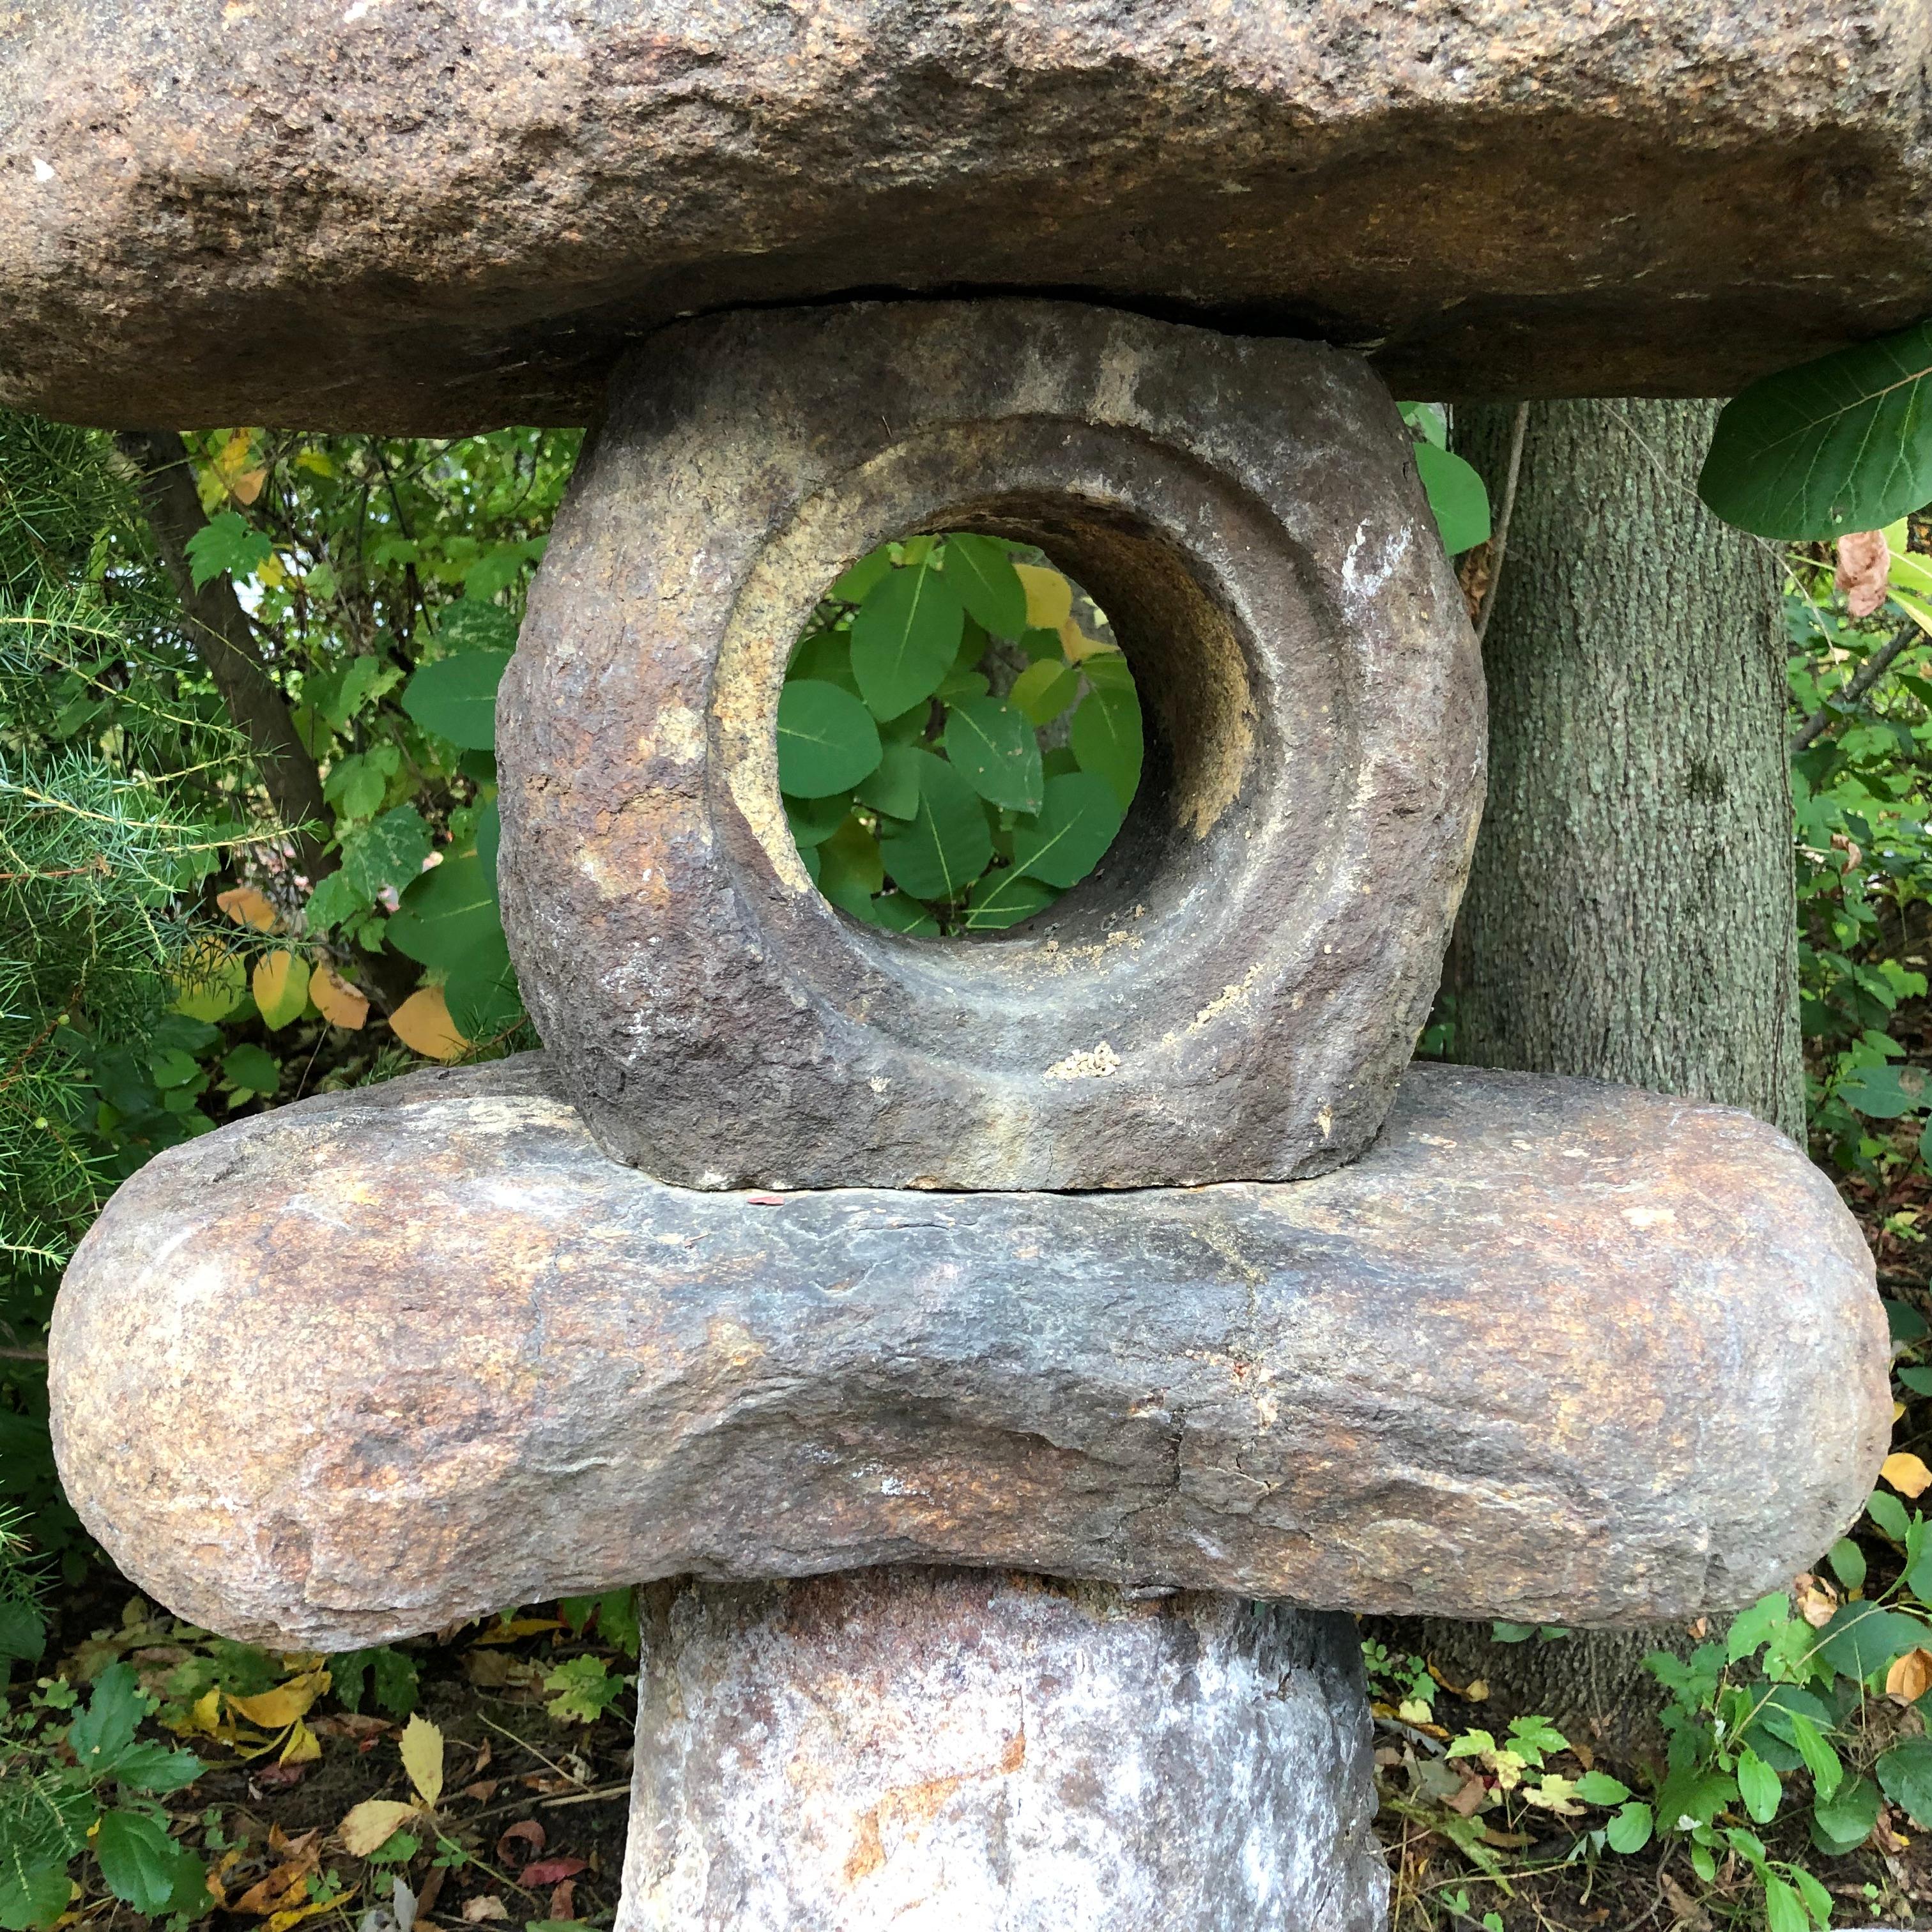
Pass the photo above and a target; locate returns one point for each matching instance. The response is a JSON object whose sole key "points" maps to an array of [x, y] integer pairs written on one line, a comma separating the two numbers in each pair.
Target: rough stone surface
{"points": [[1552, 1350], [933, 1749], [1233, 992], [438, 215]]}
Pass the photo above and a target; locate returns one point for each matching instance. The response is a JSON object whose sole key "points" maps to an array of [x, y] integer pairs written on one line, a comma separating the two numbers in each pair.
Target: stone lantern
{"points": [[1005, 1362]]}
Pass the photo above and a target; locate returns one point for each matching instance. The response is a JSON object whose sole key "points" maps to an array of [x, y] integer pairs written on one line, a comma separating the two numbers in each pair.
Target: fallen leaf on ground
{"points": [[523, 1839], [563, 1902], [422, 1758], [483, 1790], [1910, 1676], [272, 1709], [1906, 1473], [246, 906], [548, 1871], [1864, 564], [476, 1910], [372, 1823]]}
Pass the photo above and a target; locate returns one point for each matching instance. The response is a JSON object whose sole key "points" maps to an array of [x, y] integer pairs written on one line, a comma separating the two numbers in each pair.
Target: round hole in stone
{"points": [[959, 736]]}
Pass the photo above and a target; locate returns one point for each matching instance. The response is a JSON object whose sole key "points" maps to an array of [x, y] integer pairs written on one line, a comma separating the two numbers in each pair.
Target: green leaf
{"points": [[1758, 1785], [482, 991], [1905, 1321], [157, 1767], [1456, 495], [980, 569], [472, 624], [1076, 826], [1003, 898], [248, 1066], [1861, 1638], [905, 638], [1817, 1899], [857, 583], [1906, 1772], [827, 741], [1046, 688], [1750, 1630], [993, 748], [389, 851], [813, 820], [449, 912], [1885, 1092], [1842, 443], [1820, 1759], [138, 1859], [1630, 1829], [900, 912], [1782, 1910], [1845, 1819], [100, 1733], [34, 1888], [1105, 736], [825, 657], [1888, 1513], [456, 697], [893, 788], [947, 845], [1919, 1380], [23, 1631], [1848, 1563], [227, 543], [851, 868], [1599, 1787], [586, 1689]]}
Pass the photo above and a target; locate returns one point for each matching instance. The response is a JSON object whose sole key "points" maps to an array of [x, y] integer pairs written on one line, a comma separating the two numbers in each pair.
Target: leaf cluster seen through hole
{"points": [[959, 736]]}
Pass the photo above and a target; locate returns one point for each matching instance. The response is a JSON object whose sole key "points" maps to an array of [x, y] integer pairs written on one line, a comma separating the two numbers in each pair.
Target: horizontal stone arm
{"points": [[1552, 1350]]}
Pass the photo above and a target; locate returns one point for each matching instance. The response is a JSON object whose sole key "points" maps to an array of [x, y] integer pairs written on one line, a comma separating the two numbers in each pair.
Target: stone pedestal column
{"points": [[930, 1749]]}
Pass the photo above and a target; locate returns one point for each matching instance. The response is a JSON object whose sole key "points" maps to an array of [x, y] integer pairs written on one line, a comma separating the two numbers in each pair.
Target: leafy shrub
{"points": [[925, 782]]}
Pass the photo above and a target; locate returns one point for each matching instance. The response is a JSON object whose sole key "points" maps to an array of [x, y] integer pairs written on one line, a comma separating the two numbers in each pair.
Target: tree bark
{"points": [[219, 630], [1630, 914]]}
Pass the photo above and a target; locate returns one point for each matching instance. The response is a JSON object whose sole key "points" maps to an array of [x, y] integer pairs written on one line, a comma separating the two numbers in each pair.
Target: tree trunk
{"points": [[219, 630], [1630, 913]]}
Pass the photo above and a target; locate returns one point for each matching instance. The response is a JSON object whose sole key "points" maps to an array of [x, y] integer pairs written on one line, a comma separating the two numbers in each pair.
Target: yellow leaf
{"points": [[246, 906], [304, 1747], [509, 1631], [281, 986], [206, 1715], [1477, 1690], [372, 1823], [282, 1921], [1910, 1676], [1048, 595], [336, 1000], [1077, 646], [316, 462], [1906, 1473], [272, 572], [423, 1024], [1915, 608], [272, 1709], [422, 1758]]}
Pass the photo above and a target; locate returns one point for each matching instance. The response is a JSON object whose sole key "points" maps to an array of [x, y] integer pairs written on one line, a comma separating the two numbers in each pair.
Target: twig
{"points": [[1499, 534], [532, 1750], [23, 1354], [1874, 667]]}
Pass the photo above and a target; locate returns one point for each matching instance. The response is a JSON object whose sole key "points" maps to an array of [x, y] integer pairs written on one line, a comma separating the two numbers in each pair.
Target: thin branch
{"points": [[1873, 668], [1499, 534]]}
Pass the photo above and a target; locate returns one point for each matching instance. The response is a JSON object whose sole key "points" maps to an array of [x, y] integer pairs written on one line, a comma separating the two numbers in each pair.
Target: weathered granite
{"points": [[1552, 1350], [1231, 994], [931, 1750], [439, 215]]}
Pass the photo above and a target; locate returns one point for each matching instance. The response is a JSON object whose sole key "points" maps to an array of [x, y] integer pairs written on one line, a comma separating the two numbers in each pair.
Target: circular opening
{"points": [[959, 736]]}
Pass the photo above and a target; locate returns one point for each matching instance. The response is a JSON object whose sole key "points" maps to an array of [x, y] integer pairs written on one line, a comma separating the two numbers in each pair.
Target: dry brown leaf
{"points": [[1906, 1473], [373, 1823], [1864, 564], [337, 1001], [423, 1024], [1468, 1800], [246, 906], [487, 1906], [1910, 1676], [1817, 1602]]}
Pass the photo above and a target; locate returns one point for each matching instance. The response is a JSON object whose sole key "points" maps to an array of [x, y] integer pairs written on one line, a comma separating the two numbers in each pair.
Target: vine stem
{"points": [[1874, 667], [1499, 535]]}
